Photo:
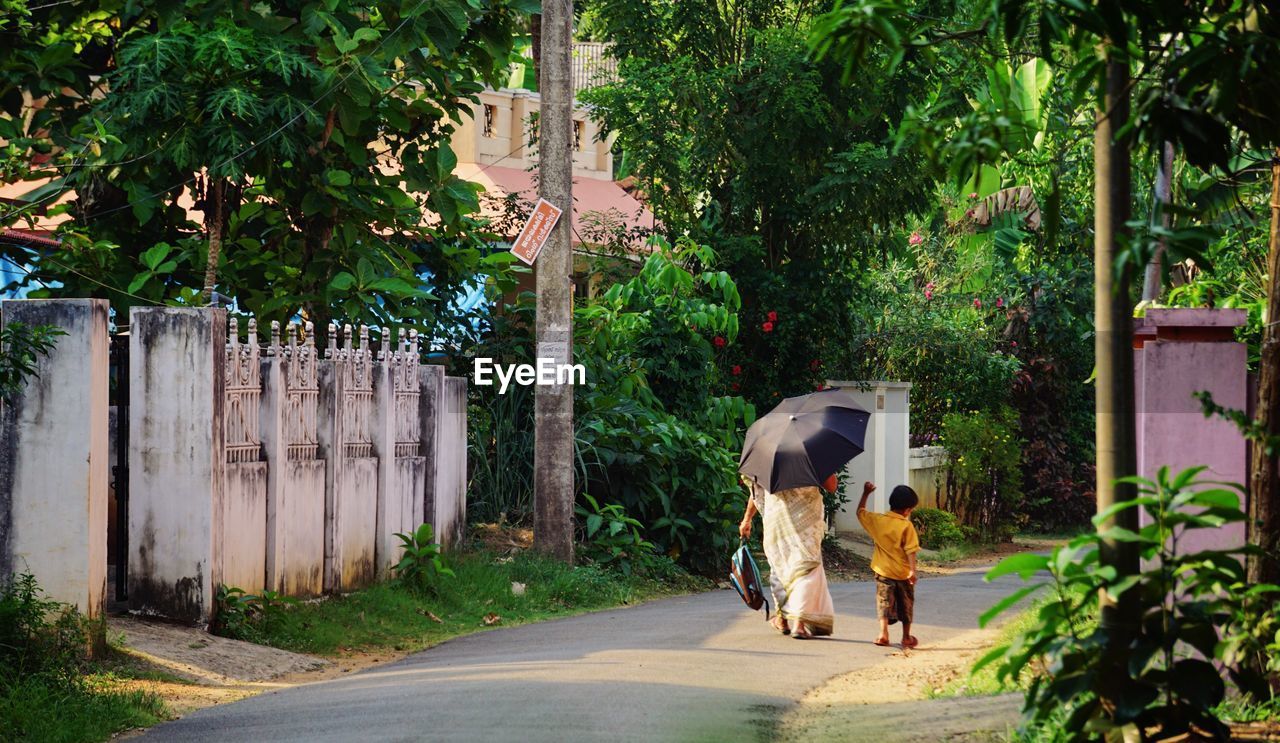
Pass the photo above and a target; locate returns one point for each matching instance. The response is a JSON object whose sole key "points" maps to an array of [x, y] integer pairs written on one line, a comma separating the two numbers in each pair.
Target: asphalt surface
{"points": [[694, 668]]}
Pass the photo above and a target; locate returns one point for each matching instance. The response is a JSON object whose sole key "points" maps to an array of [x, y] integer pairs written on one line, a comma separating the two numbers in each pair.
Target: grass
{"points": [[41, 709], [1244, 709], [985, 682], [389, 617], [952, 553]]}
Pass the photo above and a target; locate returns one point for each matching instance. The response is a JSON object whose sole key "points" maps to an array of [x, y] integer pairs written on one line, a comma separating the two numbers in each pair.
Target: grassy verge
{"points": [[46, 710], [49, 690], [984, 682], [389, 617]]}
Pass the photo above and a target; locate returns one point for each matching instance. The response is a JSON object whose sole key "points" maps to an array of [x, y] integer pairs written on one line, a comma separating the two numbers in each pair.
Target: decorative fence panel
{"points": [[296, 480], [244, 502]]}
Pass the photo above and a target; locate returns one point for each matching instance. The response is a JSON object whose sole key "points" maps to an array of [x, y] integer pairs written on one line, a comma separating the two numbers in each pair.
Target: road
{"points": [[693, 668]]}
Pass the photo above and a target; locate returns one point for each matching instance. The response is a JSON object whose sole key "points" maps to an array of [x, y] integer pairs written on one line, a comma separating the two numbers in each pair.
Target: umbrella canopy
{"points": [[804, 440]]}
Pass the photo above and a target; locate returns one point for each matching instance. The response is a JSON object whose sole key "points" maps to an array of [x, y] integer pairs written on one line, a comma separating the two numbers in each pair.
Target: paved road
{"points": [[695, 668]]}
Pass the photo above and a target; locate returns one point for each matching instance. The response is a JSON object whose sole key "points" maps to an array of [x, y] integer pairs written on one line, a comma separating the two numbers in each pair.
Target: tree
{"points": [[1204, 73], [749, 146], [312, 137]]}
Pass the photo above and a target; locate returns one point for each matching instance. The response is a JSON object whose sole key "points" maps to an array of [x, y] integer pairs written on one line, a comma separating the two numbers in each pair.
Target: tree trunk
{"points": [[214, 219], [1113, 344], [1152, 284], [1264, 483], [535, 44], [553, 460]]}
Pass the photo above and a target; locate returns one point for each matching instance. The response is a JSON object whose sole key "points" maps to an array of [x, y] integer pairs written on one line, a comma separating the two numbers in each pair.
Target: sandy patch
{"points": [[887, 701]]}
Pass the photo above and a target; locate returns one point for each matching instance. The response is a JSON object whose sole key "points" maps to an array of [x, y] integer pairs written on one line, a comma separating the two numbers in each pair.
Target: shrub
{"points": [[421, 563], [241, 615], [985, 484], [1203, 626], [611, 538], [938, 529]]}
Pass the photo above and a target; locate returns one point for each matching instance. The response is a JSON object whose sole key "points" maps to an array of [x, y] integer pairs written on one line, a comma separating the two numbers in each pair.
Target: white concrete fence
{"points": [[250, 464]]}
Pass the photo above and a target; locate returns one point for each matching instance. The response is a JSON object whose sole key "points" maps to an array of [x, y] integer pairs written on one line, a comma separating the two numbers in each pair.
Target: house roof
{"points": [[594, 201]]}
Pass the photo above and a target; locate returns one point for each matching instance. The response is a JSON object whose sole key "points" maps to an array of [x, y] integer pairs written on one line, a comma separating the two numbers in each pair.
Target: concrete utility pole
{"points": [[553, 405], [1113, 349]]}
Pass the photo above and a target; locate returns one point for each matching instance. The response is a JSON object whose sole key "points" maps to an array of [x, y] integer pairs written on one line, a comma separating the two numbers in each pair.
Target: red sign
{"points": [[536, 231]]}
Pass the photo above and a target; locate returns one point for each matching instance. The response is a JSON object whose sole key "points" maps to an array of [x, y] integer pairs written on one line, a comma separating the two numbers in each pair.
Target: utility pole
{"points": [[1113, 349], [553, 457], [1152, 283], [1264, 487]]}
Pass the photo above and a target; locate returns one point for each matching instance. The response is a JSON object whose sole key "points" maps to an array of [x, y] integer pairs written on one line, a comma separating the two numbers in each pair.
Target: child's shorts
{"points": [[895, 599]]}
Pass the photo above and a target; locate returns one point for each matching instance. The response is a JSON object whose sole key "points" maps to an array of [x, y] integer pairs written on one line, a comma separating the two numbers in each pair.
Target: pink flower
{"points": [[977, 303], [915, 239], [999, 301], [719, 341], [1014, 343], [928, 295], [973, 194], [735, 387], [767, 327], [773, 316], [820, 387], [929, 286], [735, 371]]}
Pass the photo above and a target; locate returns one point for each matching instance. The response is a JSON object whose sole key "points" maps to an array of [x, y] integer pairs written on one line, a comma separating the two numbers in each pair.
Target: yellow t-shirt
{"points": [[895, 538]]}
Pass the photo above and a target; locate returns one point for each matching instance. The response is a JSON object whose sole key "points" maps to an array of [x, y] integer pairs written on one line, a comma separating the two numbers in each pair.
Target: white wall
{"points": [[885, 457], [53, 457]]}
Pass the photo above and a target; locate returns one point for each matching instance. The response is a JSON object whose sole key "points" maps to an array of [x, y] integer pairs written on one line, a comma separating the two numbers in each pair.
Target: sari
{"points": [[794, 524]]}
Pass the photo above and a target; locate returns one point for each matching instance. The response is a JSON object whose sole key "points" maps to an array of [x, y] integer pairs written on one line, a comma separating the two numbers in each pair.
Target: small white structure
{"points": [[885, 458]]}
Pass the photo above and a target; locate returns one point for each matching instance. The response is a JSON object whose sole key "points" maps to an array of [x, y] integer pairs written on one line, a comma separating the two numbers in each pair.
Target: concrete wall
{"points": [[927, 474], [295, 530], [451, 469], [176, 460], [288, 472], [1180, 352], [885, 456], [53, 457]]}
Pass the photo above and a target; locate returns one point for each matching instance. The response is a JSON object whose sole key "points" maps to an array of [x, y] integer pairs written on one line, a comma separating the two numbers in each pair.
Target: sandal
{"points": [[800, 633], [780, 624], [909, 641], [882, 643]]}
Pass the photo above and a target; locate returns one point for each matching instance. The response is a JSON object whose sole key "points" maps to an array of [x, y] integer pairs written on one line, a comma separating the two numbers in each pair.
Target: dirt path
{"points": [[888, 702]]}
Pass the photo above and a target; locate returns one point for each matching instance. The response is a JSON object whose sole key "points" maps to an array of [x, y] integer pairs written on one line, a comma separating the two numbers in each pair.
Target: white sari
{"points": [[794, 524]]}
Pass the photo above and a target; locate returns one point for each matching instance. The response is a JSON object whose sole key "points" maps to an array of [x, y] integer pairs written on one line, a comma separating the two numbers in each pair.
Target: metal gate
{"points": [[118, 509]]}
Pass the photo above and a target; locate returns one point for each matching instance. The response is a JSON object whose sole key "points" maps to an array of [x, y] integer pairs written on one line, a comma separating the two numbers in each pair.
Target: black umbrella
{"points": [[804, 440]]}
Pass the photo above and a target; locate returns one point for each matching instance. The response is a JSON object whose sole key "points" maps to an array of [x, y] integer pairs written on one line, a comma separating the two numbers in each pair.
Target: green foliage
{"points": [[21, 347], [318, 134], [1203, 627], [937, 528], [421, 565], [44, 693], [653, 434], [610, 538], [985, 482], [241, 615], [743, 142]]}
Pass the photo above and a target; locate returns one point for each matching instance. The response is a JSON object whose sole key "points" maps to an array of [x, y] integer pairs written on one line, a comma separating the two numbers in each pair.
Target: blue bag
{"points": [[745, 577]]}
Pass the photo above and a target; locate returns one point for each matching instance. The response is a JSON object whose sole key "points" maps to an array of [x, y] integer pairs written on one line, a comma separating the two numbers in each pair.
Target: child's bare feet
{"points": [[883, 641], [909, 641]]}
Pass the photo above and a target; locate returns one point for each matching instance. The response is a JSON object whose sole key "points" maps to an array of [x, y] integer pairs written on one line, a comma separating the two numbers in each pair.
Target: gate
{"points": [[118, 508]]}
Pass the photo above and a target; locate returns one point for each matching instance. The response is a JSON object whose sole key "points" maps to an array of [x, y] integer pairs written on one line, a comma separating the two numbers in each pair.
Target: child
{"points": [[894, 559]]}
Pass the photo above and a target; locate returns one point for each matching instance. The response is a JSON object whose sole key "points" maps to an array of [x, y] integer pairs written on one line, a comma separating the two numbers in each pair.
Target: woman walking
{"points": [[794, 524]]}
